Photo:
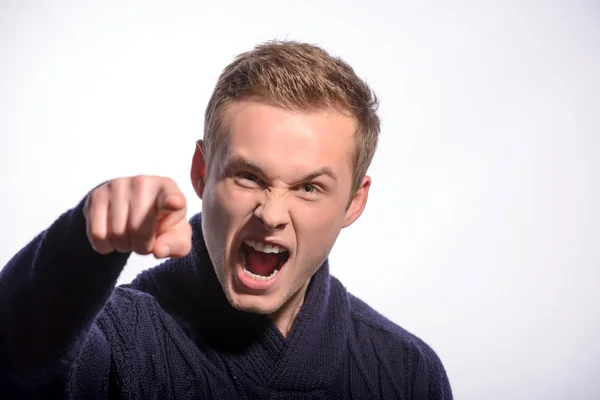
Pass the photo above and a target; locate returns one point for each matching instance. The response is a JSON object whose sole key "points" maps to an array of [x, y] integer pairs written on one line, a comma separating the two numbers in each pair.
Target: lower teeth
{"points": [[259, 277], [255, 276]]}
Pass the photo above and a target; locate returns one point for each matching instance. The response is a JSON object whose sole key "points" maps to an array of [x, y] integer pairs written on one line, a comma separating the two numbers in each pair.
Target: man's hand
{"points": [[143, 214]]}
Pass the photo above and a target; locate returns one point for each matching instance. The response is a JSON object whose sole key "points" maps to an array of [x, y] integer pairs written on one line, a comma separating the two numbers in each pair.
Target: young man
{"points": [[245, 306]]}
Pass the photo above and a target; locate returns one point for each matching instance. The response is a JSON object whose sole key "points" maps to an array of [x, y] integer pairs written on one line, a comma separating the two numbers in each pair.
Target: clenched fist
{"points": [[143, 214]]}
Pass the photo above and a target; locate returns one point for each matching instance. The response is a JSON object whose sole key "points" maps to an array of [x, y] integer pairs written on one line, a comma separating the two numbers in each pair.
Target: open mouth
{"points": [[262, 261]]}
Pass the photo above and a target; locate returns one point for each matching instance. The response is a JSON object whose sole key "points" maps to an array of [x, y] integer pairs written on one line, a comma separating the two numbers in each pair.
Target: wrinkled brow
{"points": [[237, 163]]}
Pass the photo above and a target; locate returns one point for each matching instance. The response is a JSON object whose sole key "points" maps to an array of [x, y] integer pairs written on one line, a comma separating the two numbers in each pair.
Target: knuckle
{"points": [[145, 249], [135, 235], [96, 233], [131, 232], [111, 237], [118, 188], [140, 183], [114, 184], [140, 240], [142, 248], [100, 248], [168, 181], [170, 185], [93, 199], [116, 235], [120, 244]]}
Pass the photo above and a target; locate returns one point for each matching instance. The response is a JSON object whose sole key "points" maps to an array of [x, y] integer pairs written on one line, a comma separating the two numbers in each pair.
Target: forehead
{"points": [[280, 139]]}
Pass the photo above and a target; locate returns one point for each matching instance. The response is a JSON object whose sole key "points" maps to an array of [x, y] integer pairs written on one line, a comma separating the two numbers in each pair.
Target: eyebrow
{"points": [[236, 163]]}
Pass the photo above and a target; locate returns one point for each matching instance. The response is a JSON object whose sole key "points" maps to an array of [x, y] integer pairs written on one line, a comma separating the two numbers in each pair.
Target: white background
{"points": [[482, 230]]}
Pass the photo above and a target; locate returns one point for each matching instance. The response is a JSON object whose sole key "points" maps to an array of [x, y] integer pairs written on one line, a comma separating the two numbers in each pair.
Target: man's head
{"points": [[289, 134]]}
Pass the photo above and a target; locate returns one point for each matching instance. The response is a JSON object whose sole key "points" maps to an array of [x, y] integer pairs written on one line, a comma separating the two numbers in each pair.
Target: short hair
{"points": [[297, 76]]}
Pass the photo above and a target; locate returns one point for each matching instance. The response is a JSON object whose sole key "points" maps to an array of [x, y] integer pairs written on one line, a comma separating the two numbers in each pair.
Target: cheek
{"points": [[219, 207], [228, 209], [326, 214], [318, 226], [235, 201]]}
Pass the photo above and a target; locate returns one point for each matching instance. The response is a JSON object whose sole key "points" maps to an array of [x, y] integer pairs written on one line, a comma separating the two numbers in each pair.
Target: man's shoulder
{"points": [[367, 321], [369, 324], [399, 354]]}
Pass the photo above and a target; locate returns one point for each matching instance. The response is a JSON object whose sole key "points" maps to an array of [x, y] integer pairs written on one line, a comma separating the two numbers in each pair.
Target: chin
{"points": [[252, 303]]}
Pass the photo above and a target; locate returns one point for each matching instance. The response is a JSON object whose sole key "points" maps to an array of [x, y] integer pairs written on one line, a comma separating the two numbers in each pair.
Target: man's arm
{"points": [[52, 290], [50, 294]]}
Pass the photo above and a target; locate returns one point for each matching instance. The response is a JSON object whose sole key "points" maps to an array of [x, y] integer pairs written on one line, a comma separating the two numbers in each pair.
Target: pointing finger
{"points": [[170, 206], [169, 197]]}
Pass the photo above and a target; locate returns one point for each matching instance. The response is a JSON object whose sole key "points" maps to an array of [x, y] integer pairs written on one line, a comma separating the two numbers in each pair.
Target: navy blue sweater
{"points": [[67, 332]]}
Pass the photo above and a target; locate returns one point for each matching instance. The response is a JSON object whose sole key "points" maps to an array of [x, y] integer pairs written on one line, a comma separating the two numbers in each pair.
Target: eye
{"points": [[308, 188], [247, 179]]}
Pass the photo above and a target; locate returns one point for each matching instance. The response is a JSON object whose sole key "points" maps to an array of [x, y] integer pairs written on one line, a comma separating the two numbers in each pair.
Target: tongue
{"points": [[260, 263]]}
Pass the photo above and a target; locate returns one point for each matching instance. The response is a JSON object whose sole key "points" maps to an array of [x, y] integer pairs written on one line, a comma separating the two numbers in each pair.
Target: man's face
{"points": [[275, 199]]}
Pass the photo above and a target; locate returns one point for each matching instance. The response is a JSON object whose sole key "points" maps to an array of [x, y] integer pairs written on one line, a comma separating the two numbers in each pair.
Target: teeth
{"points": [[254, 276], [265, 248], [259, 277]]}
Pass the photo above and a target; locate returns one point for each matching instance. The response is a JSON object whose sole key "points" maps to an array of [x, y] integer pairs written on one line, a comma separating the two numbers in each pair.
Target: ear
{"points": [[198, 172], [358, 202]]}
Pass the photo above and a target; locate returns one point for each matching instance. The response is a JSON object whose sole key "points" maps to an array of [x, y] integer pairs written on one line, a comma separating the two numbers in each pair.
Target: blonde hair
{"points": [[296, 76]]}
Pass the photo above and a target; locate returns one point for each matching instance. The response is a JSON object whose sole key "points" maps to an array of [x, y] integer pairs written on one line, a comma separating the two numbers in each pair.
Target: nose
{"points": [[273, 212]]}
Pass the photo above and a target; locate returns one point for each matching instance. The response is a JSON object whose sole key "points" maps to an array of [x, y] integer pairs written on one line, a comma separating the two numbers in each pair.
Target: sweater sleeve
{"points": [[50, 295]]}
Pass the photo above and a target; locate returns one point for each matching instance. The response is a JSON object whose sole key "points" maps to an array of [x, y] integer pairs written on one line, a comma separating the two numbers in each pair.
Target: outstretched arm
{"points": [[52, 290], [50, 294]]}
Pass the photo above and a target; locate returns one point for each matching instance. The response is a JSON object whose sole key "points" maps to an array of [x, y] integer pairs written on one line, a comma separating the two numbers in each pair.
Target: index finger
{"points": [[169, 197], [170, 206]]}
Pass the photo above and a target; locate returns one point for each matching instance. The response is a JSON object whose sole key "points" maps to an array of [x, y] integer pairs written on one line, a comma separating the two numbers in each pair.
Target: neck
{"points": [[285, 317]]}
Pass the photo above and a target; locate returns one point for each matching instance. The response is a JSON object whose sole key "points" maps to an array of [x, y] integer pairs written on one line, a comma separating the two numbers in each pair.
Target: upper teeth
{"points": [[265, 248]]}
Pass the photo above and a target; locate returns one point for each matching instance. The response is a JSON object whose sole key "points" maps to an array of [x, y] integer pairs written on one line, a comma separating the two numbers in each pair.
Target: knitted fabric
{"points": [[67, 332]]}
